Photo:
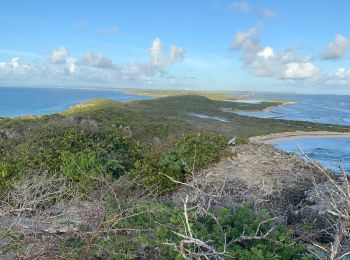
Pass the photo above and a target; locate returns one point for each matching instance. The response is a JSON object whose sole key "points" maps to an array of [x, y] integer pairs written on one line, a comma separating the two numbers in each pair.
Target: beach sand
{"points": [[296, 135]]}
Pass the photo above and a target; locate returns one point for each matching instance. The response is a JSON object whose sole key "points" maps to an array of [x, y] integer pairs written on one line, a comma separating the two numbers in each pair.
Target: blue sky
{"points": [[275, 45]]}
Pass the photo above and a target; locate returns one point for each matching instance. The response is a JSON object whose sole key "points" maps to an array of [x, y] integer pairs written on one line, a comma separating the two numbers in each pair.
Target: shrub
{"points": [[192, 152], [76, 153], [155, 226]]}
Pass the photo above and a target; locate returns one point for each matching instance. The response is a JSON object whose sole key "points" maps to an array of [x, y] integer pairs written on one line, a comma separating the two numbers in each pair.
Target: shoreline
{"points": [[271, 138], [270, 108], [284, 103]]}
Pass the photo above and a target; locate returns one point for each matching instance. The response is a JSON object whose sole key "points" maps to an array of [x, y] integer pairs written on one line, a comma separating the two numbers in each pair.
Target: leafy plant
{"points": [[178, 159]]}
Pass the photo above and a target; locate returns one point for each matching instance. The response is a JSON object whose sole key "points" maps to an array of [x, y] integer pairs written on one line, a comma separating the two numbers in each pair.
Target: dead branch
{"points": [[335, 195]]}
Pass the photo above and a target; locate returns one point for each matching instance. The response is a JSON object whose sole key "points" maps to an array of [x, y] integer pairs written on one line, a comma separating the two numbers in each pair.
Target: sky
{"points": [[300, 46]]}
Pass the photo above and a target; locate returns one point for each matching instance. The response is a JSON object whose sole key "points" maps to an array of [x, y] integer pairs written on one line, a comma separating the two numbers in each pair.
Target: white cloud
{"points": [[156, 51], [71, 65], [59, 55], [337, 49], [159, 60], [300, 70], [91, 68], [244, 7], [265, 62], [246, 40], [339, 77], [176, 54], [342, 73], [266, 53], [97, 60], [14, 62], [14, 66]]}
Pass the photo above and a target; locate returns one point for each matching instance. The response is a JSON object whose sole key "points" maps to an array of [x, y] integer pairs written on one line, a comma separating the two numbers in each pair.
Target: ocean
{"points": [[16, 101], [327, 109]]}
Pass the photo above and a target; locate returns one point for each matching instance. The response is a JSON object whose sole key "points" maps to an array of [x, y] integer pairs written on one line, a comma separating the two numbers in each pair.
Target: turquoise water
{"points": [[38, 101]]}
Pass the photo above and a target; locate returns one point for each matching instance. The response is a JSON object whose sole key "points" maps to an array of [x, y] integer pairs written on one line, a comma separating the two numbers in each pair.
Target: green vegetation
{"points": [[154, 145], [117, 138], [170, 116], [157, 224], [178, 159]]}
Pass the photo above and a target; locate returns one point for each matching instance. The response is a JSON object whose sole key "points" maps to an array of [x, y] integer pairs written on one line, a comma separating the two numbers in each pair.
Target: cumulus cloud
{"points": [[342, 73], [246, 8], [97, 60], [338, 77], [336, 49], [300, 70], [266, 53], [59, 55], [71, 65], [93, 67], [156, 51], [160, 59], [264, 61], [176, 54], [14, 66], [248, 40]]}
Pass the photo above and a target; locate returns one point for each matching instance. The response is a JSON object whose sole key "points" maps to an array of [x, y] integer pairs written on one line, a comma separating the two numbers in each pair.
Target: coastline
{"points": [[271, 138], [270, 108], [283, 103]]}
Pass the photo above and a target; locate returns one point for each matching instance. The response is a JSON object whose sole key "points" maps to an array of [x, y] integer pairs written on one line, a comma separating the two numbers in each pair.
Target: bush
{"points": [[157, 224], [192, 152], [75, 153]]}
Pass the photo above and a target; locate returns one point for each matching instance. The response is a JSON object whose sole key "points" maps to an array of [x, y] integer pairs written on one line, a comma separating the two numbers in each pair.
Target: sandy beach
{"points": [[296, 135]]}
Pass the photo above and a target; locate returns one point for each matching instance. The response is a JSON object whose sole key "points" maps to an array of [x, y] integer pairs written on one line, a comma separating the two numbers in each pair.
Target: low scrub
{"points": [[161, 230], [178, 159]]}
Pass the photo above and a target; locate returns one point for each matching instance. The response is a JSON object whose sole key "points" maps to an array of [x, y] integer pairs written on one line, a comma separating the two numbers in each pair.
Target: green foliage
{"points": [[42, 143], [76, 153], [5, 174], [155, 224], [242, 140], [192, 152], [161, 139], [109, 154]]}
